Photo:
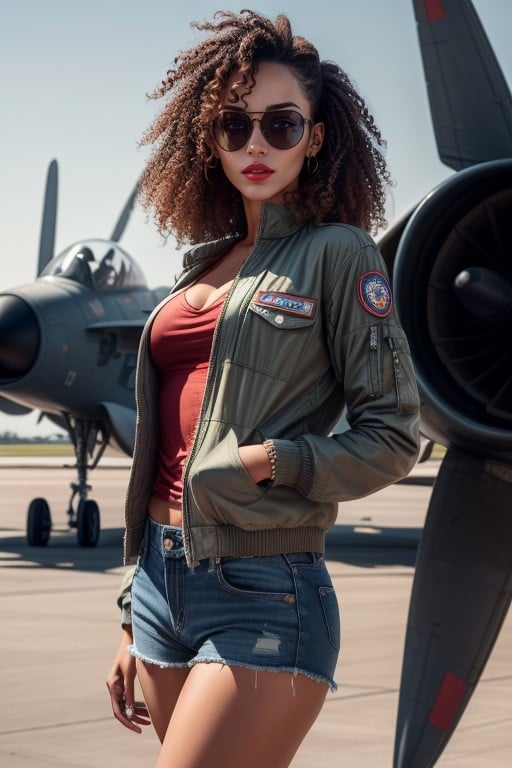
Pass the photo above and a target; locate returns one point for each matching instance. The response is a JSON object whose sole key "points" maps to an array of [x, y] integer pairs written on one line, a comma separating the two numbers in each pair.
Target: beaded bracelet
{"points": [[272, 456]]}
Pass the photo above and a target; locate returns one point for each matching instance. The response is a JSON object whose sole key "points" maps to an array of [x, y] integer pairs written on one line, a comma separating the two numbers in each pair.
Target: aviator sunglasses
{"points": [[282, 128]]}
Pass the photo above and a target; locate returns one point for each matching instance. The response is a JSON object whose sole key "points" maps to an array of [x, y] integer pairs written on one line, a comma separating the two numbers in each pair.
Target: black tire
{"points": [[88, 523], [39, 523]]}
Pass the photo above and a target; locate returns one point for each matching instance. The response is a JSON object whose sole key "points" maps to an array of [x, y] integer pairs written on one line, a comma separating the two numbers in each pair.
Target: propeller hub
{"points": [[484, 293], [19, 337]]}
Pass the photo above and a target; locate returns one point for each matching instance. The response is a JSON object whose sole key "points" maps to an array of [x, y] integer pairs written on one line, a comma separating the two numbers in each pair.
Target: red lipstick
{"points": [[257, 172]]}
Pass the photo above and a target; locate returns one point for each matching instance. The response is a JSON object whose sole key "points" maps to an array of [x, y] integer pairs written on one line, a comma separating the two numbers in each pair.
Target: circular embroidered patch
{"points": [[374, 294]]}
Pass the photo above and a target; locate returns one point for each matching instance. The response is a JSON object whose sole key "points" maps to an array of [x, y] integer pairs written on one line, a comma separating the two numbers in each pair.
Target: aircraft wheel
{"points": [[88, 523], [39, 523]]}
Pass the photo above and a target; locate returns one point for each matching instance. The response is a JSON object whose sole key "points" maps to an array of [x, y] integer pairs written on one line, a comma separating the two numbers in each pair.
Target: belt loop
{"points": [[213, 561]]}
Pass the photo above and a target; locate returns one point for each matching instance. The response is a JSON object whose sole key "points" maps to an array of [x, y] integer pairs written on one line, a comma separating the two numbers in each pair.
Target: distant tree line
{"points": [[12, 438]]}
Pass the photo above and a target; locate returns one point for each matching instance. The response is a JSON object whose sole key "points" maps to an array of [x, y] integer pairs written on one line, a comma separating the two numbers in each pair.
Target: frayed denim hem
{"points": [[294, 671], [162, 664]]}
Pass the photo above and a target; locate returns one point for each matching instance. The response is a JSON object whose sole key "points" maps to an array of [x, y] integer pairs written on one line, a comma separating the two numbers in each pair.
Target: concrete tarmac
{"points": [[59, 631]]}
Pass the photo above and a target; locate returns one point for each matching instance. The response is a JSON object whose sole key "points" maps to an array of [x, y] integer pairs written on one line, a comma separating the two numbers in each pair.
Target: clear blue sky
{"points": [[73, 79]]}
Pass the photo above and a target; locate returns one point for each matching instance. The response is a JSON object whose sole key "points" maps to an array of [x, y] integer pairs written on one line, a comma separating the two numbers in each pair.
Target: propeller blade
{"points": [[461, 594], [470, 100], [124, 217], [47, 239]]}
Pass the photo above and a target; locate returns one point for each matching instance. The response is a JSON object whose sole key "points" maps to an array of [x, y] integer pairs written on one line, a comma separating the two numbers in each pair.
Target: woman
{"points": [[282, 318]]}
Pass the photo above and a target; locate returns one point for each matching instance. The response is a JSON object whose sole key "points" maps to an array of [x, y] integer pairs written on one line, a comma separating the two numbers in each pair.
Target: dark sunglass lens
{"points": [[231, 130], [282, 129]]}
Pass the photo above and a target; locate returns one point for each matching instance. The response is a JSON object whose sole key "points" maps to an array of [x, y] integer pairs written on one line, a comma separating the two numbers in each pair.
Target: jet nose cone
{"points": [[19, 337]]}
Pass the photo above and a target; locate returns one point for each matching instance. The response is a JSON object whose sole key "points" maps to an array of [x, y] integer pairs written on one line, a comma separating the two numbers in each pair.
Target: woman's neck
{"points": [[252, 217]]}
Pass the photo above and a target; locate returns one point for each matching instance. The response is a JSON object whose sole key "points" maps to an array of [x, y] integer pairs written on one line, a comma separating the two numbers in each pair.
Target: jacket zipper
{"points": [[199, 433], [373, 362], [138, 382]]}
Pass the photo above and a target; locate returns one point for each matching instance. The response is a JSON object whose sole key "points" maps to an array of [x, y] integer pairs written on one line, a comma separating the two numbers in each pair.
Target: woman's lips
{"points": [[257, 172]]}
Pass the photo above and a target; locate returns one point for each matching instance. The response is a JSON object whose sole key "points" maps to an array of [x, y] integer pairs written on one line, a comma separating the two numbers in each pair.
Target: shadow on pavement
{"points": [[368, 548]]}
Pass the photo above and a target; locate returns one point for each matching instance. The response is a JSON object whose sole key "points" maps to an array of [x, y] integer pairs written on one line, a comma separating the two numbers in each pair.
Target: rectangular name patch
{"points": [[294, 305]]}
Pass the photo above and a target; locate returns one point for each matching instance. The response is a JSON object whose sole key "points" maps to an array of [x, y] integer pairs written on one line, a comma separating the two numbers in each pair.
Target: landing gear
{"points": [[89, 440], [88, 523], [39, 523]]}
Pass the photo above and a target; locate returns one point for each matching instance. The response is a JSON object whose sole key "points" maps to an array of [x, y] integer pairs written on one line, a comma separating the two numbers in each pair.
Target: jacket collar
{"points": [[276, 221]]}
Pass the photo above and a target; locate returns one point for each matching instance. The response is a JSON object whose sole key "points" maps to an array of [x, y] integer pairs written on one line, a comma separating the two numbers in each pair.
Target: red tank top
{"points": [[180, 342]]}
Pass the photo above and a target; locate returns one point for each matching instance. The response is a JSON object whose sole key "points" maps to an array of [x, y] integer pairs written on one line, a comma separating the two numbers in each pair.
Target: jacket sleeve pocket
{"points": [[407, 401], [374, 362], [390, 368]]}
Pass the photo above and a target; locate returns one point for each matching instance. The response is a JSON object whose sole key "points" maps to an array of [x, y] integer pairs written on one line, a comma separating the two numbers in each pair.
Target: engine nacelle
{"points": [[452, 279]]}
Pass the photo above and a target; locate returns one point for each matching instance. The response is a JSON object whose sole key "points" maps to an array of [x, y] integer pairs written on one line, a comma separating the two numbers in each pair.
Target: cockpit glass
{"points": [[100, 265]]}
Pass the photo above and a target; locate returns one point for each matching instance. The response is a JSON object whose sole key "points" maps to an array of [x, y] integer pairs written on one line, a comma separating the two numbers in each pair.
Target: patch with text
{"points": [[286, 302]]}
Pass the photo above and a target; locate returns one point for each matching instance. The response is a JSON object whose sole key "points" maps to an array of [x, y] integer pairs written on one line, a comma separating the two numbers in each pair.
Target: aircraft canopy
{"points": [[101, 265]]}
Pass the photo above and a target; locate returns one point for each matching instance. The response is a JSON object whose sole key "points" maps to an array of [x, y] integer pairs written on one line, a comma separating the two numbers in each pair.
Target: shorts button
{"points": [[279, 319], [168, 545]]}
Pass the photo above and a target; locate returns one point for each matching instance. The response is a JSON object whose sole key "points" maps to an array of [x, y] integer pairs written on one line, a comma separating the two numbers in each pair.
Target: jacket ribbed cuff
{"points": [[294, 464], [305, 479], [288, 462]]}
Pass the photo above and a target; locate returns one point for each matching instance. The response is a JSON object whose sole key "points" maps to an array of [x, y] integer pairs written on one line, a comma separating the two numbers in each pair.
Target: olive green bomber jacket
{"points": [[298, 339]]}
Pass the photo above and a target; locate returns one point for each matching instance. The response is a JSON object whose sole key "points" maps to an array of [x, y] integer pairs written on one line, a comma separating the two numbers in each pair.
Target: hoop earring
{"points": [[312, 168], [210, 166]]}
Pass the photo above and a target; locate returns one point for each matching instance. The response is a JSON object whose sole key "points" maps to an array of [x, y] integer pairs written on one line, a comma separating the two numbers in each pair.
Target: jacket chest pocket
{"points": [[273, 342]]}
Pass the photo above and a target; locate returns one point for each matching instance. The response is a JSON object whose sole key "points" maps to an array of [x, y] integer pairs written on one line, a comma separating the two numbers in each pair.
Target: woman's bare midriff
{"points": [[166, 512]]}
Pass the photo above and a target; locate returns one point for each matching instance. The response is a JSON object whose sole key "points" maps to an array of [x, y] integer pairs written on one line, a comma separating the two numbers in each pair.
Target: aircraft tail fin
{"points": [[470, 101], [124, 216], [49, 223]]}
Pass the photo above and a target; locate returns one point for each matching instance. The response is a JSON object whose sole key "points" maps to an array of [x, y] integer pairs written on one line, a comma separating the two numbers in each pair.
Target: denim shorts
{"points": [[277, 613]]}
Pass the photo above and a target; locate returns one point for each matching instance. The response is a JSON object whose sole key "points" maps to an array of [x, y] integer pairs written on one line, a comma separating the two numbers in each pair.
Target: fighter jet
{"points": [[451, 260], [68, 347]]}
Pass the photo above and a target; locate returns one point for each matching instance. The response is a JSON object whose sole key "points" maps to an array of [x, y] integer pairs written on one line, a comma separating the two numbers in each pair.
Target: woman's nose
{"points": [[257, 143]]}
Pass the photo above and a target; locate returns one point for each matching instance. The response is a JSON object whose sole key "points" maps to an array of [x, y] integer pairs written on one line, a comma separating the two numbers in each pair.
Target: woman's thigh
{"points": [[161, 688], [232, 716]]}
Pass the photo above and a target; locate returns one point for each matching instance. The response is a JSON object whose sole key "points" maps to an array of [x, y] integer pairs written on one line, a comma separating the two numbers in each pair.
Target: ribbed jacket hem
{"points": [[237, 542]]}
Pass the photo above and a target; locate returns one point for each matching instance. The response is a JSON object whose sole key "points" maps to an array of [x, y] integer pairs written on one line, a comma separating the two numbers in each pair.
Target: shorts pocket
{"points": [[331, 615], [257, 578]]}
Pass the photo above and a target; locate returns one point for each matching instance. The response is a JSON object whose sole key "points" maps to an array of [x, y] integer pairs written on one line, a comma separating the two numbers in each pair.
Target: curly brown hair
{"points": [[190, 194]]}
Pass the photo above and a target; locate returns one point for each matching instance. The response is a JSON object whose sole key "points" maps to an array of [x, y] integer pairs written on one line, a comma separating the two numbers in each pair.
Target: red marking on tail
{"points": [[434, 10], [452, 691]]}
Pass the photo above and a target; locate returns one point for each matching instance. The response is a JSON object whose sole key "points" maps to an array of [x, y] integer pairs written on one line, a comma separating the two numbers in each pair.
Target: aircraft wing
{"points": [[13, 409], [128, 331], [117, 325], [470, 101]]}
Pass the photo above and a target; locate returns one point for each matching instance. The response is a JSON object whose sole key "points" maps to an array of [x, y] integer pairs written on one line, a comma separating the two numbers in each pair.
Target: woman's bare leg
{"points": [[228, 717], [161, 689]]}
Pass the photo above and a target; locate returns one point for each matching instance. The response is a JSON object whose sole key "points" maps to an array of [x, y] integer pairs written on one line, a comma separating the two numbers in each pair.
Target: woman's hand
{"points": [[256, 461], [121, 686]]}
